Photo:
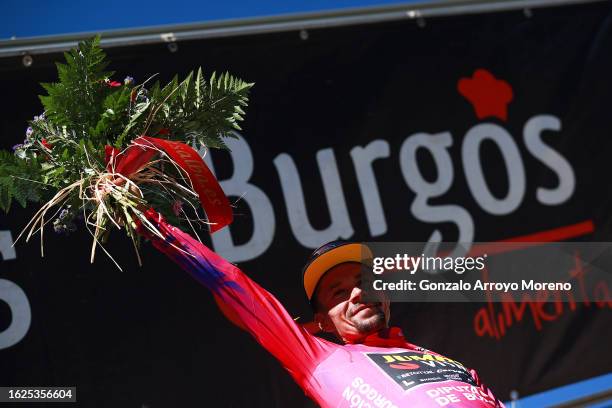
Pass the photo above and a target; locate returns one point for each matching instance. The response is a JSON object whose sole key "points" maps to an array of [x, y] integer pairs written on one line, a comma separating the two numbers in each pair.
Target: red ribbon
{"points": [[144, 148]]}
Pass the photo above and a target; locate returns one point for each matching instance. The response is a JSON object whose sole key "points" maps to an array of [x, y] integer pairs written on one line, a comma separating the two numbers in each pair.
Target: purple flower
{"points": [[41, 117], [29, 131], [17, 147], [64, 223], [177, 207], [64, 229], [128, 80]]}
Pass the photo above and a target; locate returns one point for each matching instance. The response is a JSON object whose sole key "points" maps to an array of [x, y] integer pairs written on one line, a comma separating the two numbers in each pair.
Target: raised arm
{"points": [[243, 301]]}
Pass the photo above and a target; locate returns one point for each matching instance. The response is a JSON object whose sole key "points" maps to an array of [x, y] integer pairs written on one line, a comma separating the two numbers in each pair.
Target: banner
{"points": [[479, 128]]}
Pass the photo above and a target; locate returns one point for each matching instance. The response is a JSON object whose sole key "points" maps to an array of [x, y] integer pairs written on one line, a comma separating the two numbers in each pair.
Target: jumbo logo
{"points": [[402, 361], [489, 97], [410, 369]]}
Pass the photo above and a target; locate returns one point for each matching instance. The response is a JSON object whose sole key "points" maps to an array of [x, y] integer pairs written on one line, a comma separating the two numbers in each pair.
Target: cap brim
{"points": [[353, 252]]}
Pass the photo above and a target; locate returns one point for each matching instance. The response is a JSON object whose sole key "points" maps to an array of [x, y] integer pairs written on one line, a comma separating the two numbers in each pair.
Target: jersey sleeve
{"points": [[243, 301]]}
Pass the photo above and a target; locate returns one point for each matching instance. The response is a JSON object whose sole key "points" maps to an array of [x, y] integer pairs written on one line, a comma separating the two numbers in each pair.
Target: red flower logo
{"points": [[489, 96]]}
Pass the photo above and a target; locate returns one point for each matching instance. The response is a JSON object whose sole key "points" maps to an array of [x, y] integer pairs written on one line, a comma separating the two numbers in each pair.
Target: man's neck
{"points": [[387, 333]]}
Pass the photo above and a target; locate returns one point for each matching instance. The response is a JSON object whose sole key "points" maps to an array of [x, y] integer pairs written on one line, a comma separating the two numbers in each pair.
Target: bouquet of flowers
{"points": [[103, 150]]}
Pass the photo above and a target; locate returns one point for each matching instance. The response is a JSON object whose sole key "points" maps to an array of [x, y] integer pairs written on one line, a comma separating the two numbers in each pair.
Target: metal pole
{"points": [[291, 22]]}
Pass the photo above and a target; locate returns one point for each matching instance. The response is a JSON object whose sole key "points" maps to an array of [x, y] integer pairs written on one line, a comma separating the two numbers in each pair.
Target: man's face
{"points": [[340, 308]]}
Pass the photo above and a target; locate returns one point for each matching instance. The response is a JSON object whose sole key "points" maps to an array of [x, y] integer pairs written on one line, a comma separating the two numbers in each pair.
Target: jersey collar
{"points": [[391, 337]]}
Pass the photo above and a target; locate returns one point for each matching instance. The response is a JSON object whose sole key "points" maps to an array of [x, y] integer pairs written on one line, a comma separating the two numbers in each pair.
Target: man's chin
{"points": [[371, 324]]}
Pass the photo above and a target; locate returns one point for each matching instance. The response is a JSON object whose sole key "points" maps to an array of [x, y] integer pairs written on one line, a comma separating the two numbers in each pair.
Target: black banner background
{"points": [[152, 337]]}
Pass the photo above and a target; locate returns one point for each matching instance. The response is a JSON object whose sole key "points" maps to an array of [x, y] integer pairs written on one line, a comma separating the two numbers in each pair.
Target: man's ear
{"points": [[324, 322]]}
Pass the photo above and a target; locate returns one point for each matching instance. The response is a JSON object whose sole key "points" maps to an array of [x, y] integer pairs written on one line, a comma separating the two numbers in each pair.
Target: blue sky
{"points": [[26, 18]]}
